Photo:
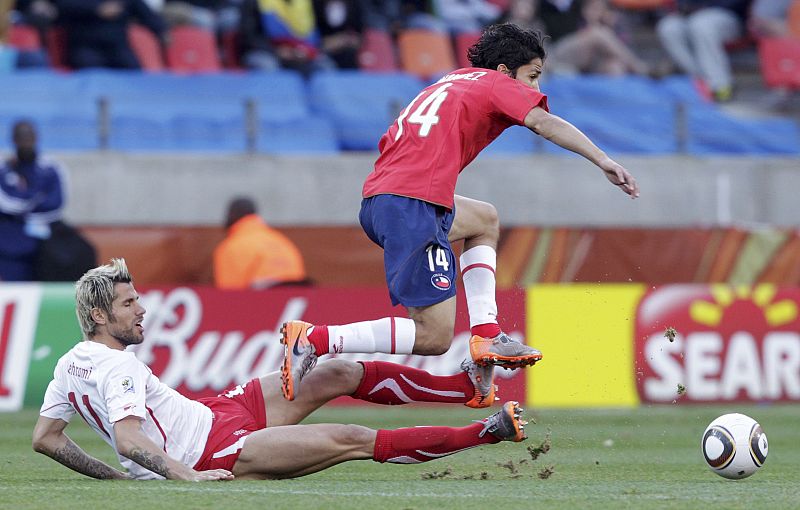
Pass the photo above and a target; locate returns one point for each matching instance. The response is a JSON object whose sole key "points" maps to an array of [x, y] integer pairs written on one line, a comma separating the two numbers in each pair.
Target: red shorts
{"points": [[236, 414]]}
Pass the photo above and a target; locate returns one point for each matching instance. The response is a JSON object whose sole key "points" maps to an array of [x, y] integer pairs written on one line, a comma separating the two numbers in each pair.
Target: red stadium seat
{"points": [[24, 37], [146, 47], [425, 53], [192, 50], [377, 52], [229, 42], [794, 19], [780, 61], [56, 44], [463, 43], [641, 4]]}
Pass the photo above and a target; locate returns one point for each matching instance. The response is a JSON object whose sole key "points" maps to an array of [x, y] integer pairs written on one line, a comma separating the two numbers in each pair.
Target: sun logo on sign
{"points": [[776, 314]]}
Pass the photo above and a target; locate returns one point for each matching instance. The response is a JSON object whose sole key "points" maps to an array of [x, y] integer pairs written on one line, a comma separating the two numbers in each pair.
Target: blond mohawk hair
{"points": [[95, 289]]}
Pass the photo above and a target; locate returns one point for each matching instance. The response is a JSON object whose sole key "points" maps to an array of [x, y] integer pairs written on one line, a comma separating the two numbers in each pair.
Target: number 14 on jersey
{"points": [[425, 114]]}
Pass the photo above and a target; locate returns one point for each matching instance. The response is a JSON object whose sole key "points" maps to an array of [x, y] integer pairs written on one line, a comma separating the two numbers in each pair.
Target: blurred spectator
{"points": [[382, 14], [31, 198], [466, 15], [582, 34], [282, 33], [8, 56], [39, 14], [396, 15], [340, 26], [694, 35], [213, 15], [768, 18], [254, 255], [97, 31]]}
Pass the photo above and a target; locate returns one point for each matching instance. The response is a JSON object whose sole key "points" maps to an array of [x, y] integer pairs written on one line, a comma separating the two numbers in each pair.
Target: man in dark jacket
{"points": [[97, 31], [31, 198]]}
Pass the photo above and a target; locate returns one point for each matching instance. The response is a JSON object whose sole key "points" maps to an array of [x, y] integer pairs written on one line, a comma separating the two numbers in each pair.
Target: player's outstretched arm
{"points": [[49, 438], [134, 444], [564, 134]]}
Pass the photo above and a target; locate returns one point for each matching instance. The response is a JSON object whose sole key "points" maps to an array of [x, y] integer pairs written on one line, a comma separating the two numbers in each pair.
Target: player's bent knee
{"points": [[341, 372], [490, 216], [356, 437], [433, 346]]}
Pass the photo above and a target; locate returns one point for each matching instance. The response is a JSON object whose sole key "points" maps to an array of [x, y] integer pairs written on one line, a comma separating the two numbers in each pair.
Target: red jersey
{"points": [[443, 130]]}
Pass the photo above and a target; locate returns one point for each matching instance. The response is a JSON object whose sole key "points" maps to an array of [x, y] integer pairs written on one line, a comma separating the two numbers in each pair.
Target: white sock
{"points": [[477, 272], [392, 335]]}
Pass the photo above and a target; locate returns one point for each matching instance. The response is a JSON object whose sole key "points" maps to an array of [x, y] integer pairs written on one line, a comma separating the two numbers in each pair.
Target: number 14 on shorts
{"points": [[439, 261]]}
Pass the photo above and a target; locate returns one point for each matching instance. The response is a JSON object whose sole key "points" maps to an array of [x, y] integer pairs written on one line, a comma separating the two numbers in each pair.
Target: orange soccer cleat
{"points": [[298, 356], [502, 351]]}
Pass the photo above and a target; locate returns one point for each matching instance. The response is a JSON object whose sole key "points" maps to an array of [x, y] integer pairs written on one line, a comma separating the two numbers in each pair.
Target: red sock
{"points": [[393, 384], [421, 444], [319, 339], [489, 330]]}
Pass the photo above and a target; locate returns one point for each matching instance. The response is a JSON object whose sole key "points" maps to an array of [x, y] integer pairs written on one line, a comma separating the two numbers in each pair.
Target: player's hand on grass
{"points": [[617, 175], [212, 475]]}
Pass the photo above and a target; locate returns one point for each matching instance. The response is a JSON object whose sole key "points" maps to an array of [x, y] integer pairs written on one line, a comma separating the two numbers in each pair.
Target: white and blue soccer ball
{"points": [[734, 446]]}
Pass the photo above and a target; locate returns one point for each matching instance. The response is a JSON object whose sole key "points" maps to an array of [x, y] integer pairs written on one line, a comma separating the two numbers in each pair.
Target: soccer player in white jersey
{"points": [[158, 433]]}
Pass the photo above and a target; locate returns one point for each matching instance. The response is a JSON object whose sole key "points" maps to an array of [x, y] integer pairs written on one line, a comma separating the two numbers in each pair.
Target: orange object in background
{"points": [[425, 53], [255, 255]]}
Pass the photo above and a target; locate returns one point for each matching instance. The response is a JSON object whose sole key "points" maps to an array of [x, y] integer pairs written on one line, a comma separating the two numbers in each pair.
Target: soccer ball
{"points": [[734, 446]]}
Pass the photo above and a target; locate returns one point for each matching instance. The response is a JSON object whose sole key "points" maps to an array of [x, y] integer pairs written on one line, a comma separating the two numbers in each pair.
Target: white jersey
{"points": [[105, 385]]}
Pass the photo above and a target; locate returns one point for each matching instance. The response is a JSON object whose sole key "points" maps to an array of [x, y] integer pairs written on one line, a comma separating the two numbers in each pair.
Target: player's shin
{"points": [[392, 384]]}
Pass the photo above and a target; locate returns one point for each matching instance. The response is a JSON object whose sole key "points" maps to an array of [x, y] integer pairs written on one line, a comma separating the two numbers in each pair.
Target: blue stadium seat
{"points": [[197, 113], [514, 141], [712, 132], [309, 135], [635, 128], [65, 116], [360, 105], [170, 112]]}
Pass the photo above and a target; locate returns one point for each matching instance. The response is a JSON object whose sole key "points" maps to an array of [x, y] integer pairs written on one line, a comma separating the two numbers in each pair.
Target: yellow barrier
{"points": [[585, 333]]}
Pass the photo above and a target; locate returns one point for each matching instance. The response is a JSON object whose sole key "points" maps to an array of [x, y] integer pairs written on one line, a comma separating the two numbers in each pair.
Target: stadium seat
{"points": [[229, 44], [192, 50], [205, 113], [65, 115], [310, 135], [24, 37], [641, 4], [463, 42], [514, 141], [780, 61], [793, 19], [425, 53], [170, 112], [56, 44], [361, 105], [377, 53], [146, 47], [712, 132], [622, 127]]}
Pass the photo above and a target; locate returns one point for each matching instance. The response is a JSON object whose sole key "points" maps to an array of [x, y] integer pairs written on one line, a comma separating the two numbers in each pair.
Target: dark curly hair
{"points": [[506, 43]]}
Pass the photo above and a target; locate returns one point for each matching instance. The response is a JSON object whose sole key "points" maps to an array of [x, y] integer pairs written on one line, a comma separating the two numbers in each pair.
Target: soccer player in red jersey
{"points": [[410, 209], [248, 432]]}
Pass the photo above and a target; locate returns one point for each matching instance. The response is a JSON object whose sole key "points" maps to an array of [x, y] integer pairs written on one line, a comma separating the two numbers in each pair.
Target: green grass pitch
{"points": [[644, 458]]}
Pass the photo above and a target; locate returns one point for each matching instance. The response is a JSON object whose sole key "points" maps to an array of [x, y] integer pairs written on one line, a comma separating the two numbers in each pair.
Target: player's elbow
{"points": [[40, 444], [124, 445], [41, 440], [125, 434]]}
